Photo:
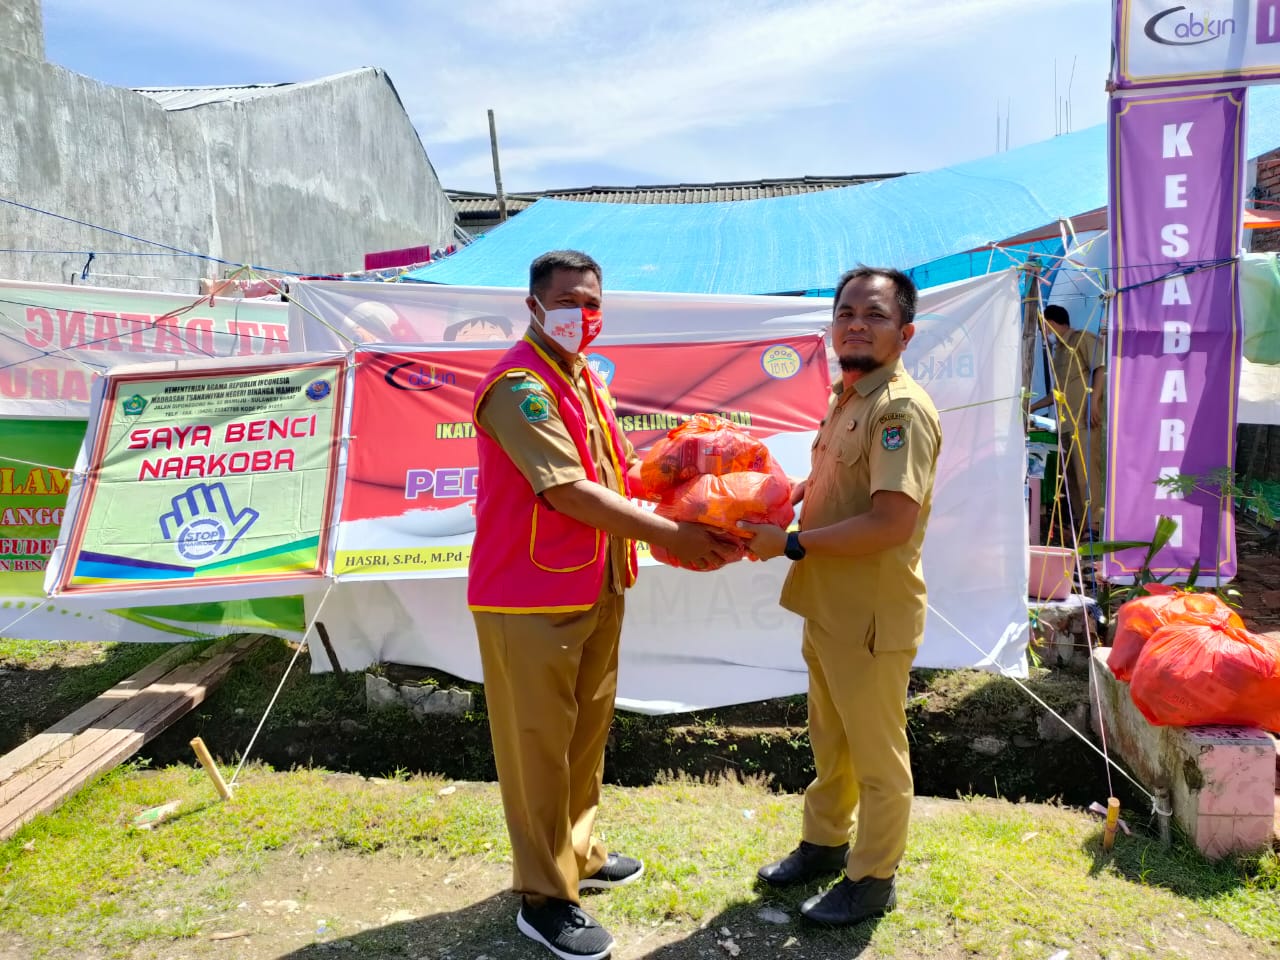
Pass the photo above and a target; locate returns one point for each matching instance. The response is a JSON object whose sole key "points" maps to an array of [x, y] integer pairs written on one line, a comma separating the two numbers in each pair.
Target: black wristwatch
{"points": [[794, 550]]}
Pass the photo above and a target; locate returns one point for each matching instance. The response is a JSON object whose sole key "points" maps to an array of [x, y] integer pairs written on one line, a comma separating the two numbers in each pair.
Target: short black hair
{"points": [[904, 288], [1056, 314], [496, 319], [541, 269]]}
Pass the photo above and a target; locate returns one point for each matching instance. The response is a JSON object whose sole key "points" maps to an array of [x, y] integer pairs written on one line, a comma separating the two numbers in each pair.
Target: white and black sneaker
{"points": [[565, 929], [618, 871]]}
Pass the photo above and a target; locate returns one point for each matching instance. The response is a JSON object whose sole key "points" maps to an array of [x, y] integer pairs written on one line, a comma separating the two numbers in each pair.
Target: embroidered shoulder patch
{"points": [[535, 408], [893, 438]]}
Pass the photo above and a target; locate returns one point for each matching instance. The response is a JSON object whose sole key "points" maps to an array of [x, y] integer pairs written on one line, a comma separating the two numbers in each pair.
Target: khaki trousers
{"points": [[1085, 472], [858, 728], [549, 686]]}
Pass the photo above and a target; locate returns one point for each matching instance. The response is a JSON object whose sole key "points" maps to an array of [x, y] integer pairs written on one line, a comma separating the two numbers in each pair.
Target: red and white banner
{"points": [[408, 508]]}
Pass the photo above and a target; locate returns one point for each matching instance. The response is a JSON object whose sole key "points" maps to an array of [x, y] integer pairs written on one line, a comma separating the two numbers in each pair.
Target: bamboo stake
{"points": [[211, 768], [1113, 819]]}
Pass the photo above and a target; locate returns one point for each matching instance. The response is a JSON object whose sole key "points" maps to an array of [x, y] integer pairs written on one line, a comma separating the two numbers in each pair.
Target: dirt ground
{"points": [[335, 904]]}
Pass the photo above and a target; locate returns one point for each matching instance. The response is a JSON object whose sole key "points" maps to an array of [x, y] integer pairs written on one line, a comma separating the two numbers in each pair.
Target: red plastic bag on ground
{"points": [[1190, 674], [704, 444], [1139, 618]]}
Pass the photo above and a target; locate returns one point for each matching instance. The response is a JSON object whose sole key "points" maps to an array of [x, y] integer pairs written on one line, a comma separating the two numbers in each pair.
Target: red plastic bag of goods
{"points": [[1190, 674], [1139, 618], [722, 501], [704, 444]]}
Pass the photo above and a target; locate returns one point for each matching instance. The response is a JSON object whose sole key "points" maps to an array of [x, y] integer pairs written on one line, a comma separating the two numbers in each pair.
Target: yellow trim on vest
{"points": [[618, 470], [533, 536], [573, 609]]}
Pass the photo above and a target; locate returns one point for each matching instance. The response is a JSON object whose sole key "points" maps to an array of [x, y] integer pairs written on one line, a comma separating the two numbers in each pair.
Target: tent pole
{"points": [[1030, 323]]}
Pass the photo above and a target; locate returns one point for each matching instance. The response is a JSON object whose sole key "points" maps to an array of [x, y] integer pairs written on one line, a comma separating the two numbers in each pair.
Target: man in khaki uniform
{"points": [[1080, 376], [550, 677], [857, 581]]}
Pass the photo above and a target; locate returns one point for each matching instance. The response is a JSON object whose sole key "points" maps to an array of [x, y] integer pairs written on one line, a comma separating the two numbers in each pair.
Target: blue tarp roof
{"points": [[801, 243]]}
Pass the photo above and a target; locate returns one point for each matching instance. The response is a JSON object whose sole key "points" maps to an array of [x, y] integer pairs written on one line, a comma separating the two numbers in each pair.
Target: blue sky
{"points": [[625, 92]]}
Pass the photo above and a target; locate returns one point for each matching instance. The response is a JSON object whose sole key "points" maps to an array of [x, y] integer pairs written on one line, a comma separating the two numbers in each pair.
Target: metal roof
{"points": [[183, 98], [475, 205]]}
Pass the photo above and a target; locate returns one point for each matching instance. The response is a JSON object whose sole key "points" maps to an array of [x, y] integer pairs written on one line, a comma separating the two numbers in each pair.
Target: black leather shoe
{"points": [[851, 901], [806, 862]]}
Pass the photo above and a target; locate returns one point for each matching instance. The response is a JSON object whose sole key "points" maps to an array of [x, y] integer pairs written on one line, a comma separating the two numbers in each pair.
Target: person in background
{"points": [[856, 579], [554, 550], [1079, 389]]}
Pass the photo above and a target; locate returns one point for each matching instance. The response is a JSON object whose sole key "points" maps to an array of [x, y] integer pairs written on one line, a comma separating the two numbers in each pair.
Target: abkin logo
{"points": [[1176, 28]]}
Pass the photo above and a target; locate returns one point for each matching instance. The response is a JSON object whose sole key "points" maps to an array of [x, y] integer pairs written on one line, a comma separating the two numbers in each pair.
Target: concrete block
{"points": [[1221, 780], [1064, 630], [424, 701]]}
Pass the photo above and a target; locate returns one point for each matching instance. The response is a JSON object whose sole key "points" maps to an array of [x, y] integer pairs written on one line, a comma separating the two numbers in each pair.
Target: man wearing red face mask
{"points": [[554, 550]]}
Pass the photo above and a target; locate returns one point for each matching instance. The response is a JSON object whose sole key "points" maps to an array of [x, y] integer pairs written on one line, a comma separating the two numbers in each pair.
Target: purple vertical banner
{"points": [[1177, 174]]}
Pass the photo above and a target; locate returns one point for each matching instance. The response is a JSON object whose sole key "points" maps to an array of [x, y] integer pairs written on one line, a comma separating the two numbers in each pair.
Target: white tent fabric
{"points": [[694, 640]]}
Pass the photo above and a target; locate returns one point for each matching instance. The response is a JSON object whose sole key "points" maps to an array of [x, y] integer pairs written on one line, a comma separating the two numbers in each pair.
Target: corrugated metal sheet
{"points": [[480, 205], [183, 98], [800, 243]]}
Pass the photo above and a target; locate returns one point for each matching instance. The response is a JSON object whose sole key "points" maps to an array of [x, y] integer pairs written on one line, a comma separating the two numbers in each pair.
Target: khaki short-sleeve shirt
{"points": [[1075, 357], [884, 434], [539, 444]]}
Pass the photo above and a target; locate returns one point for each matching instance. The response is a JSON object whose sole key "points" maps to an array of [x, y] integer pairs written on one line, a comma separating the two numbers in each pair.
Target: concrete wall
{"points": [[22, 28], [308, 179]]}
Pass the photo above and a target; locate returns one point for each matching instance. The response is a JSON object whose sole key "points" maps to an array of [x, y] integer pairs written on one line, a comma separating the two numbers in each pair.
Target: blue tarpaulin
{"points": [[802, 243]]}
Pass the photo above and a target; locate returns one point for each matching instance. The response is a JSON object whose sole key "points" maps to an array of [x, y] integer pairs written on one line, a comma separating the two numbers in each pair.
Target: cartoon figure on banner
{"points": [[203, 524], [373, 322], [488, 327]]}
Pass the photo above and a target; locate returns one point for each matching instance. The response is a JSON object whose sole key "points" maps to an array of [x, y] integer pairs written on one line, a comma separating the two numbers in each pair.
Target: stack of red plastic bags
{"points": [[1190, 661], [709, 471]]}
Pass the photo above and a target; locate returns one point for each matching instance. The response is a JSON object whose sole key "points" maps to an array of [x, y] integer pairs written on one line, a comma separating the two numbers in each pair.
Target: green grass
{"points": [[984, 877], [99, 666], [120, 660]]}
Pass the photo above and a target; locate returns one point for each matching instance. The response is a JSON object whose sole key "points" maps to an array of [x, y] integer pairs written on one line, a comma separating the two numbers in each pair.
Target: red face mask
{"points": [[572, 328]]}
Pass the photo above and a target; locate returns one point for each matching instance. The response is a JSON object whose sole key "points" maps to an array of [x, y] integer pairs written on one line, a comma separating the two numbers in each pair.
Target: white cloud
{"points": [[638, 85]]}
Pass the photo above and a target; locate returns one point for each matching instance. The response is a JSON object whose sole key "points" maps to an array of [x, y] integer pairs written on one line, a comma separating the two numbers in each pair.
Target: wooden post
{"points": [[497, 171], [1113, 820], [211, 768], [1030, 323]]}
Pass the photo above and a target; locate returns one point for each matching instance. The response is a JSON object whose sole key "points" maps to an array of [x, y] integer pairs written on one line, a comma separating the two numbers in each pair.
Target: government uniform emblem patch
{"points": [[893, 438], [535, 408]]}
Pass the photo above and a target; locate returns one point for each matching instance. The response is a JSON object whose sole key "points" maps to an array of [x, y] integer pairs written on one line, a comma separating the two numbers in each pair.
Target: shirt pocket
{"points": [[848, 448]]}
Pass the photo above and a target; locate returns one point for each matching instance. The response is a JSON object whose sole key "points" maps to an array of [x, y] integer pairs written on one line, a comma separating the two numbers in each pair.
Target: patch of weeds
{"points": [[30, 654], [120, 660]]}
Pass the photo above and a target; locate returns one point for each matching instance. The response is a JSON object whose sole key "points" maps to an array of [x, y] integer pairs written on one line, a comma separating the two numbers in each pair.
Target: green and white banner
{"points": [[36, 458], [195, 479]]}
